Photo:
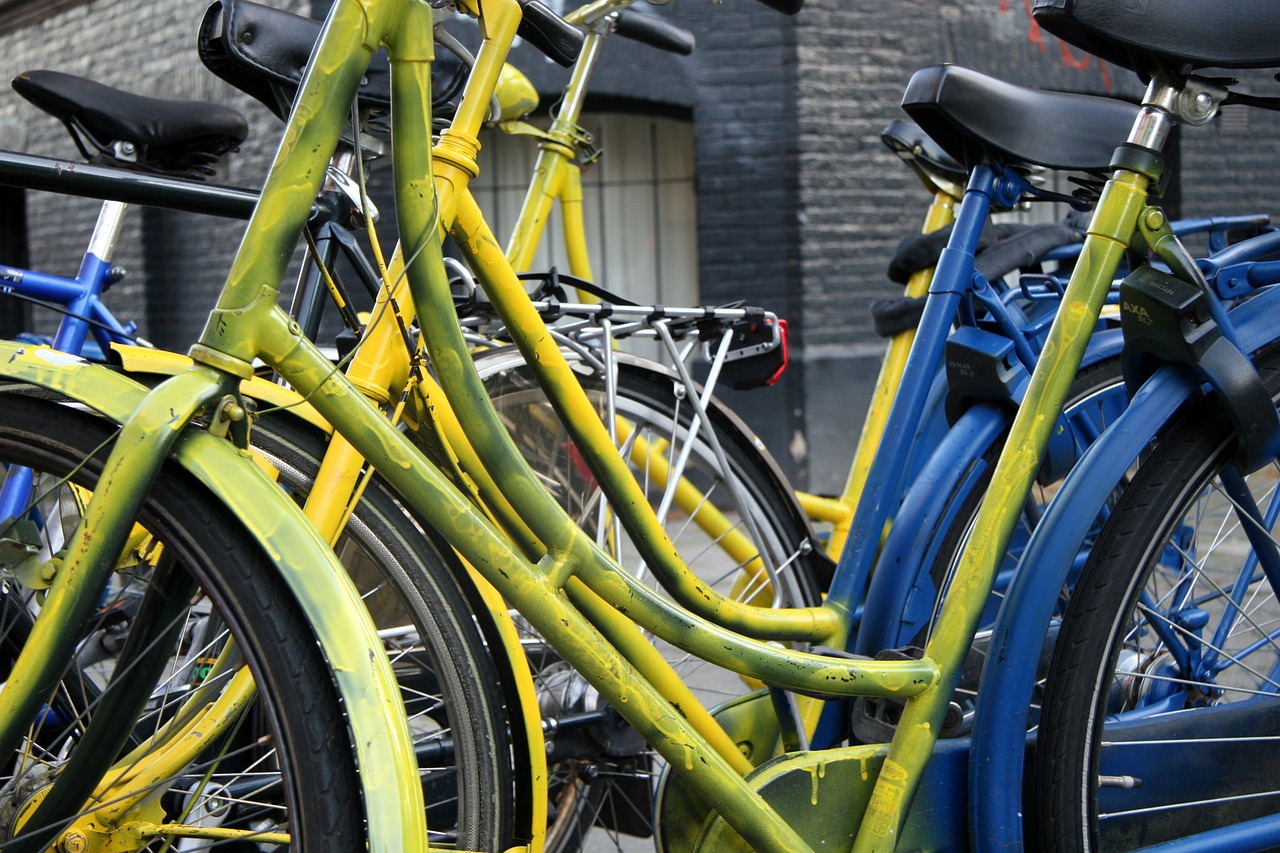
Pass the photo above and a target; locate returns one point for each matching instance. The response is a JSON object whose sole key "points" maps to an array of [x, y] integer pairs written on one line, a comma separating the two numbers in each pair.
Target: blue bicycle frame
{"points": [[85, 313], [890, 569], [81, 297], [1057, 549]]}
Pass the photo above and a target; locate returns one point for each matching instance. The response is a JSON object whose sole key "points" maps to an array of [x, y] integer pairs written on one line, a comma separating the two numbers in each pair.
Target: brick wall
{"points": [[799, 204], [148, 48], [744, 74]]}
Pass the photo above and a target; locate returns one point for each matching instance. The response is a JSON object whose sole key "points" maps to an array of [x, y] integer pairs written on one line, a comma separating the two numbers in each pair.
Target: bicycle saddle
{"points": [[176, 137], [923, 155], [263, 51], [979, 119], [1187, 33]]}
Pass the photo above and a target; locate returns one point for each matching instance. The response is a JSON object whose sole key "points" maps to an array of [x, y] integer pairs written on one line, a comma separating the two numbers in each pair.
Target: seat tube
{"points": [[94, 269], [883, 482]]}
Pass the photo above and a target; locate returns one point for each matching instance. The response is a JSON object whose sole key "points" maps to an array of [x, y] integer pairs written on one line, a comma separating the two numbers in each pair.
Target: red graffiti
{"points": [[1035, 36]]}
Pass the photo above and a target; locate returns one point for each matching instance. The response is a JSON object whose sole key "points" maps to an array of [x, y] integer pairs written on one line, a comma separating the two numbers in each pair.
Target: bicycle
{"points": [[1068, 524], [403, 577], [654, 411], [759, 823], [553, 442], [92, 181]]}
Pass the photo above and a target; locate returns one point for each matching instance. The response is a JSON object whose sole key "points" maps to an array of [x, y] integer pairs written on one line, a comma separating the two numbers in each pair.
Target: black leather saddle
{"points": [[981, 120], [264, 51], [175, 137], [1179, 33]]}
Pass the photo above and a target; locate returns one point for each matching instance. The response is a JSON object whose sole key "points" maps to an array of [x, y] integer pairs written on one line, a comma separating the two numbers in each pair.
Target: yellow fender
{"points": [[157, 362]]}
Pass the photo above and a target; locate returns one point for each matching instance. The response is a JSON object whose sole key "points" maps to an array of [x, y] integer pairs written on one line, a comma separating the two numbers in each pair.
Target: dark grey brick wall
{"points": [[746, 74], [799, 204], [147, 47]]}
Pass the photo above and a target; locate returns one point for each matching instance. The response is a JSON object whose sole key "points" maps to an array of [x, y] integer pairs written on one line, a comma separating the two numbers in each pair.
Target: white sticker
{"points": [[59, 358]]}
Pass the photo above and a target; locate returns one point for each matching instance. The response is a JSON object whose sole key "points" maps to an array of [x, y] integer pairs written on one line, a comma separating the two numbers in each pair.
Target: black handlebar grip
{"points": [[654, 32], [560, 40], [786, 7]]}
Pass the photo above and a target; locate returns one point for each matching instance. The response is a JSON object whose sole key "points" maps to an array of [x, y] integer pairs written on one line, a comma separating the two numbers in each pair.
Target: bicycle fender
{"points": [[392, 796], [528, 739], [527, 735], [936, 489], [158, 362], [1010, 671], [900, 566], [370, 694]]}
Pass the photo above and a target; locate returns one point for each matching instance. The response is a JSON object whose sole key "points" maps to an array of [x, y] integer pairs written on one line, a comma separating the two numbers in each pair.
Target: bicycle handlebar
{"points": [[549, 33], [654, 32]]}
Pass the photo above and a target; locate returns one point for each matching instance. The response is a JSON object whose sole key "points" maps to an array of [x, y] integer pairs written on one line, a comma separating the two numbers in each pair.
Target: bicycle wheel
{"points": [[191, 603], [602, 775], [1161, 705], [451, 688], [1096, 397]]}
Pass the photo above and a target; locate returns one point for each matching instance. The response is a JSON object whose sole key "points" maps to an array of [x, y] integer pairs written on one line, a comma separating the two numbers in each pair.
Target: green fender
{"points": [[392, 795], [528, 743]]}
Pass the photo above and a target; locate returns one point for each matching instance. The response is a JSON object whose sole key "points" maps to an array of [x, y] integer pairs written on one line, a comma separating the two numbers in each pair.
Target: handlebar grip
{"points": [[786, 7], [560, 40], [654, 32]]}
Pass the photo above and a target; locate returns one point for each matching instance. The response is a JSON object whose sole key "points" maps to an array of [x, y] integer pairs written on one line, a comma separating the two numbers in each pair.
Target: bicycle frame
{"points": [[568, 590]]}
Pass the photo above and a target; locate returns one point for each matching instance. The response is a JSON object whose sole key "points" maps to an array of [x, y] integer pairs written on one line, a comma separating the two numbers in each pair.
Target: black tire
{"points": [[204, 551], [600, 781], [1156, 727], [453, 693]]}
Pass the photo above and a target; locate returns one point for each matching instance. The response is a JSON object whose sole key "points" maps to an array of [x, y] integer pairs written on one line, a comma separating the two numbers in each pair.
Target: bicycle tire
{"points": [[1139, 666], [236, 586], [589, 788], [452, 689]]}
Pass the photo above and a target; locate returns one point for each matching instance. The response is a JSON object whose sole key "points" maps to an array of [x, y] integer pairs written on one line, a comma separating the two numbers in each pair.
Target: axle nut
{"points": [[74, 842]]}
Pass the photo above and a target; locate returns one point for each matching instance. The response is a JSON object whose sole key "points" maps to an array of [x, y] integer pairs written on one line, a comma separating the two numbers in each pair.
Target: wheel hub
{"points": [[20, 796]]}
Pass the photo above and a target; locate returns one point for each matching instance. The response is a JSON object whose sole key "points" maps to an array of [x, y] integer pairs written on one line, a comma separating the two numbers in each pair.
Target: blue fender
{"points": [[948, 475], [886, 615]]}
